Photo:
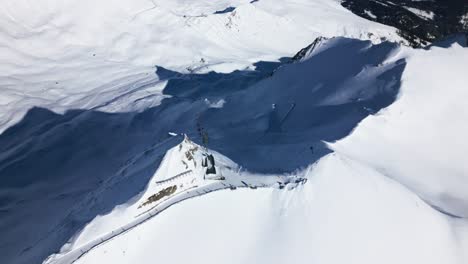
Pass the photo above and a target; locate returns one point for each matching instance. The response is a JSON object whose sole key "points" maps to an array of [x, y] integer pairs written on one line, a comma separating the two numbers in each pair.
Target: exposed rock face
{"points": [[307, 50], [420, 22]]}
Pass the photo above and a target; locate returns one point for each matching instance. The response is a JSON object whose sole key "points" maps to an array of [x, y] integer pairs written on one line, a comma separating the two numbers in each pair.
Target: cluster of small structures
{"points": [[196, 180], [161, 194], [192, 180], [189, 154]]}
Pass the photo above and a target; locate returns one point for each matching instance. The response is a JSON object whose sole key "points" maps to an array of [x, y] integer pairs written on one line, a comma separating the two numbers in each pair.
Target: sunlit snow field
{"points": [[94, 98]]}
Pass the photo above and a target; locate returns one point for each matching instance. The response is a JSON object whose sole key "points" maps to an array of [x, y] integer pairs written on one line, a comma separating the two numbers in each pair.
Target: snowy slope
{"points": [[347, 213], [91, 132], [88, 162], [183, 176], [427, 124], [348, 204], [84, 54]]}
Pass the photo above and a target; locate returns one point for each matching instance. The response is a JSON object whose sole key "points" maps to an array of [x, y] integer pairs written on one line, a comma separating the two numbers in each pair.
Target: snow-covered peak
{"points": [[354, 180], [153, 130], [187, 171]]}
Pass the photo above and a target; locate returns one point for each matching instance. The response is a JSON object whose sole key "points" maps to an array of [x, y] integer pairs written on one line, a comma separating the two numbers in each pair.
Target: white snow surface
{"points": [[369, 13], [345, 207], [369, 201], [181, 168], [85, 54], [388, 194], [420, 140]]}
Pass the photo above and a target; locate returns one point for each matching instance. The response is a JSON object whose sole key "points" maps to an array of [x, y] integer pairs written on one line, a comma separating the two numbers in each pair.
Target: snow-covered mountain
{"points": [[419, 21], [230, 131], [52, 49]]}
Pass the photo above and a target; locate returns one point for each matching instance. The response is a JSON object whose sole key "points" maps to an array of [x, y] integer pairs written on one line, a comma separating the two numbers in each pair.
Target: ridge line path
{"points": [[233, 180]]}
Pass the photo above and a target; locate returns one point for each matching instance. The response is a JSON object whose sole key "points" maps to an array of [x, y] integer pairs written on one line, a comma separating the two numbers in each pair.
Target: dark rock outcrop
{"points": [[419, 22]]}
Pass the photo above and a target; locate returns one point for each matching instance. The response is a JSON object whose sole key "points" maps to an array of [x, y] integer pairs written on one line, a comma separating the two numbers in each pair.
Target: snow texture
{"points": [[352, 151], [63, 55]]}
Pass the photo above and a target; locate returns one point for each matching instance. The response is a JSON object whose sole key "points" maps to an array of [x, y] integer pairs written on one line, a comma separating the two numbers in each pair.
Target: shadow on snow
{"points": [[58, 172]]}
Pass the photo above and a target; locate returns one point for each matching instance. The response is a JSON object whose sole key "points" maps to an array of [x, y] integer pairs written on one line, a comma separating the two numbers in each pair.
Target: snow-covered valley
{"points": [[312, 135], [57, 52]]}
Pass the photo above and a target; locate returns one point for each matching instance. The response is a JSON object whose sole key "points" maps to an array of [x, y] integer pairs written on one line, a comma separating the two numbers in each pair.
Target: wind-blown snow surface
{"points": [[348, 211], [61, 170], [345, 207], [84, 54], [428, 125], [84, 163], [182, 172]]}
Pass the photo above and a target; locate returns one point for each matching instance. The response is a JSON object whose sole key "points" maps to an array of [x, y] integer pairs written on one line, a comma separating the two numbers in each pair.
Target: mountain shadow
{"points": [[59, 171]]}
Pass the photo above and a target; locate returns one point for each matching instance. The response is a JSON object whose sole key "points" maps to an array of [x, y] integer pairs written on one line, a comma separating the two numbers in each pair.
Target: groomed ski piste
{"points": [[183, 174]]}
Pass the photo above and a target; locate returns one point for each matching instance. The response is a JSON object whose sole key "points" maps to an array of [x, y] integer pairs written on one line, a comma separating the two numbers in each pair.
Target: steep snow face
{"points": [[346, 212], [320, 98], [84, 163], [420, 140], [348, 204], [60, 171], [85, 54]]}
